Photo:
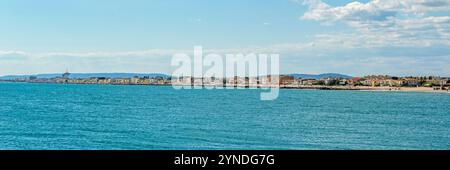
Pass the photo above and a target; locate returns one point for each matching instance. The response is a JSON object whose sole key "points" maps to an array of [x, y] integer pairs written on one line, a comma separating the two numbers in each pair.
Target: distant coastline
{"points": [[295, 81]]}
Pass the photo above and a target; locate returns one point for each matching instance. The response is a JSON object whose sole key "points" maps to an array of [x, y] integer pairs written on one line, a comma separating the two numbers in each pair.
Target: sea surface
{"points": [[67, 116]]}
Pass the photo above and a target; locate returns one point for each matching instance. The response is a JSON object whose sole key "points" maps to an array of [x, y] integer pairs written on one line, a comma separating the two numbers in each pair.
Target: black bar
{"points": [[281, 159]]}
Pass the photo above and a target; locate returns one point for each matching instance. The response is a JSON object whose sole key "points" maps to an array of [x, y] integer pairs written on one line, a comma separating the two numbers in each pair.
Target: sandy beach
{"points": [[405, 89], [360, 88]]}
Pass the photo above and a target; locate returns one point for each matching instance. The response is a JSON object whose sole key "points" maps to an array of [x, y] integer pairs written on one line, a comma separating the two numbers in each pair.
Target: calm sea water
{"points": [[56, 116]]}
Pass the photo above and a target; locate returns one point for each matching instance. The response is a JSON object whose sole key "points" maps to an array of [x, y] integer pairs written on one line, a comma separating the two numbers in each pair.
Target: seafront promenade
{"points": [[320, 87], [262, 86], [368, 83]]}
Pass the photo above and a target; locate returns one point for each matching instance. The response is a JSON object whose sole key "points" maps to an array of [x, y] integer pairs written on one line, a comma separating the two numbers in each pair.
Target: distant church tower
{"points": [[66, 74]]}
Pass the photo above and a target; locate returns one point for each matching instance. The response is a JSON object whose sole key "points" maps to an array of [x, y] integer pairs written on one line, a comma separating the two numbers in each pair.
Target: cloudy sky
{"points": [[395, 37]]}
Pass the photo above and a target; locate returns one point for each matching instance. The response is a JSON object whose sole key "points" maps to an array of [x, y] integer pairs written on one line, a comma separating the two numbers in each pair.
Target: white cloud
{"points": [[295, 58], [373, 10], [196, 20], [19, 62], [385, 23]]}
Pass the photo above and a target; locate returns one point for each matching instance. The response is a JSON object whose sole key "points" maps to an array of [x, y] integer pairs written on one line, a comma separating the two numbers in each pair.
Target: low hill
{"points": [[320, 76]]}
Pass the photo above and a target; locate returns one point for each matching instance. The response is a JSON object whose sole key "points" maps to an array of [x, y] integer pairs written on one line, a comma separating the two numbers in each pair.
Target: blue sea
{"points": [[67, 116]]}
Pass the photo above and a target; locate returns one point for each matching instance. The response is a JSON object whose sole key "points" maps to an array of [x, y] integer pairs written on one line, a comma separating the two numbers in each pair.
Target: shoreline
{"points": [[293, 87]]}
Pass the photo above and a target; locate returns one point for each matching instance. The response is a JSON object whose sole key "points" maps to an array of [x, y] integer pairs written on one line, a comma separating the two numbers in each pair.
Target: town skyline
{"points": [[154, 74], [339, 82]]}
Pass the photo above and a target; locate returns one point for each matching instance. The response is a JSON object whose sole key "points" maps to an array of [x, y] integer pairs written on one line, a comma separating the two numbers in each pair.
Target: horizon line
{"points": [[316, 74]]}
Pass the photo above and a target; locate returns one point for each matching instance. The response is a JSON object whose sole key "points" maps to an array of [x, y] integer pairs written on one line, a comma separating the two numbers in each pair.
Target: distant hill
{"points": [[87, 75], [320, 76]]}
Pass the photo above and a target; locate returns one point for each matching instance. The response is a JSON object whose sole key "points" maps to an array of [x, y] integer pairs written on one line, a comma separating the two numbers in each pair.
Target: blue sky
{"points": [[85, 25], [312, 36]]}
